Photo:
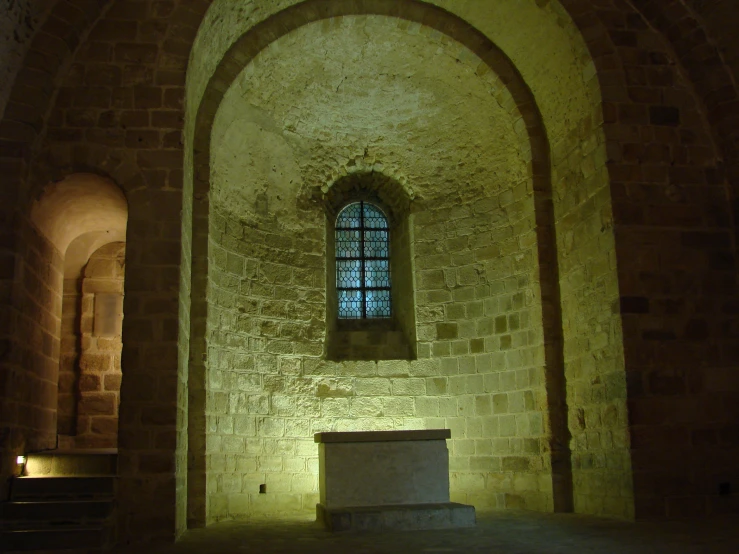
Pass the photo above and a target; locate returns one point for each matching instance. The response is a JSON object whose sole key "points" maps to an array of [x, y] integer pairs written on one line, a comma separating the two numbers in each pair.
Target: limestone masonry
{"points": [[558, 179]]}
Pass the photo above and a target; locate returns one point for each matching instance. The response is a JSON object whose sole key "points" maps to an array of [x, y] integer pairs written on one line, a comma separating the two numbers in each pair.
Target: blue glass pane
{"points": [[377, 273], [362, 262], [378, 303], [348, 274], [350, 217], [374, 218], [376, 244], [348, 244], [350, 304]]}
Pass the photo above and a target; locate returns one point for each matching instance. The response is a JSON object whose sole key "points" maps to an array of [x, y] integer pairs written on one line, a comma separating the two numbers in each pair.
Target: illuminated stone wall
{"points": [[100, 352], [479, 367], [566, 89], [640, 124]]}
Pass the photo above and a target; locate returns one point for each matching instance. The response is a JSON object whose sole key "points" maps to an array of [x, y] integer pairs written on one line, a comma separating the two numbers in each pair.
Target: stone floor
{"points": [[498, 533]]}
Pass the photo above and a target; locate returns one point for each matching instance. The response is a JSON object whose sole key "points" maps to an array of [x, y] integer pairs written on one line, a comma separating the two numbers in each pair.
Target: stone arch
{"points": [[669, 114], [513, 90], [71, 219], [681, 26], [79, 204], [56, 163], [710, 75], [63, 29], [391, 194]]}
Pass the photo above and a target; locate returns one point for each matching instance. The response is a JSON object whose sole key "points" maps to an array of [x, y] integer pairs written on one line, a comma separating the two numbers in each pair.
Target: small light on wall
{"points": [[20, 460]]}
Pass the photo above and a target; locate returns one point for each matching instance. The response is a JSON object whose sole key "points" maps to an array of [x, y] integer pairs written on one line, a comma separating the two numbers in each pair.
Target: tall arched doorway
{"points": [[84, 216]]}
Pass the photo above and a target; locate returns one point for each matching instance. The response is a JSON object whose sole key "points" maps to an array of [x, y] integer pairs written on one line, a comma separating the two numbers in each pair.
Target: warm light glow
{"points": [[20, 460]]}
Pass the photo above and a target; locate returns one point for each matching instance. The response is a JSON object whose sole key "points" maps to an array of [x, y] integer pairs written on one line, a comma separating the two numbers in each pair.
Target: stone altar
{"points": [[387, 479]]}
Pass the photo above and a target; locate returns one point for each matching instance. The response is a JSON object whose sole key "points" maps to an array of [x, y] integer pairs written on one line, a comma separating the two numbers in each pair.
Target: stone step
{"points": [[27, 514], [77, 538], [71, 462], [446, 515], [47, 488]]}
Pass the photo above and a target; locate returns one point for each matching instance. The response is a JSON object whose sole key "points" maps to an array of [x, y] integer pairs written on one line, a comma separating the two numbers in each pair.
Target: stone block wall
{"points": [[664, 73], [593, 352], [38, 296], [677, 276], [403, 281], [100, 352], [479, 316], [266, 317], [476, 286], [30, 355], [381, 343], [69, 357], [18, 22], [479, 370]]}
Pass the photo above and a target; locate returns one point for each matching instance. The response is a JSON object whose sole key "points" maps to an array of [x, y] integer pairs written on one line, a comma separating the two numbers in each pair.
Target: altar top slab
{"points": [[383, 436]]}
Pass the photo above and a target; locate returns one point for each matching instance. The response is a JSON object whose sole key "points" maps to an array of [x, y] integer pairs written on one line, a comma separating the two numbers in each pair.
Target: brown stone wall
{"points": [[30, 358], [18, 22], [38, 298], [675, 256], [100, 356], [118, 112], [69, 357], [28, 98], [698, 385], [673, 216]]}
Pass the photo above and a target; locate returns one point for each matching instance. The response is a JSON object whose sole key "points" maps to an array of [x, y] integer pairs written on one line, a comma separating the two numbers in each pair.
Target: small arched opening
{"points": [[84, 217]]}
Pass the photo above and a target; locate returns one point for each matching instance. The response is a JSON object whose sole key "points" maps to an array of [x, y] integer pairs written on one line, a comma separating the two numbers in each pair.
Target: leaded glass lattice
{"points": [[362, 262]]}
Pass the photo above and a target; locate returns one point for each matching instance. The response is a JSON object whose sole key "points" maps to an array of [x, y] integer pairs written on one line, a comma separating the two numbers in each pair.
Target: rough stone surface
{"points": [[379, 473], [100, 356], [19, 19], [268, 289], [623, 118]]}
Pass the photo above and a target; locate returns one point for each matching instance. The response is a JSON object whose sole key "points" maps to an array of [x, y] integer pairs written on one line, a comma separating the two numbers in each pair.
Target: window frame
{"points": [[385, 338], [362, 258]]}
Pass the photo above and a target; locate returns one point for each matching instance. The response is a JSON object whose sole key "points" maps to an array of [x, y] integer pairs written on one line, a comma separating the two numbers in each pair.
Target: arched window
{"points": [[363, 262], [370, 301]]}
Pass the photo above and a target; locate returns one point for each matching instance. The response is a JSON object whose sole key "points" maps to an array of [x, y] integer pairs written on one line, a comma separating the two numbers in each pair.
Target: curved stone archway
{"points": [[663, 70], [77, 205], [78, 215], [507, 80]]}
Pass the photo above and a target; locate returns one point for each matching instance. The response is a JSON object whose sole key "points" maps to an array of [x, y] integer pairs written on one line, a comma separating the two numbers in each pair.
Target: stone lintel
{"points": [[383, 436]]}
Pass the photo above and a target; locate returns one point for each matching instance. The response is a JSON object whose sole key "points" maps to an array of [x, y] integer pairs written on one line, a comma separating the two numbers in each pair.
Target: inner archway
{"points": [[509, 93], [84, 217]]}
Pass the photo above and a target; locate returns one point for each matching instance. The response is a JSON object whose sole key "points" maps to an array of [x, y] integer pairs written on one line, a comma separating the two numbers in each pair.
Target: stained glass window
{"points": [[362, 262]]}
